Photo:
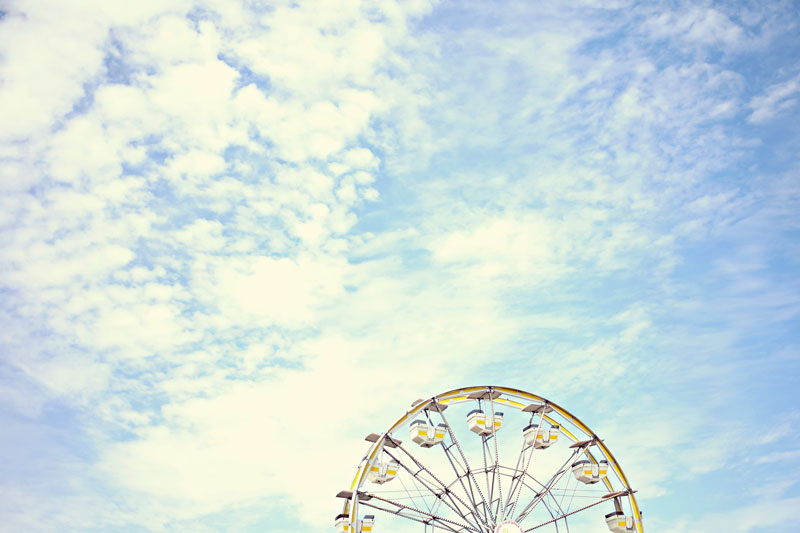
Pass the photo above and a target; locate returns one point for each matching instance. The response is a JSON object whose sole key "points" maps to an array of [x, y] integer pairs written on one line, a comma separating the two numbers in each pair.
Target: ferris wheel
{"points": [[488, 460]]}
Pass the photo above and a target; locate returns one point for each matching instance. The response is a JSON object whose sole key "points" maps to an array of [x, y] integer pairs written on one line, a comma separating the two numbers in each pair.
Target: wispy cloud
{"points": [[776, 100]]}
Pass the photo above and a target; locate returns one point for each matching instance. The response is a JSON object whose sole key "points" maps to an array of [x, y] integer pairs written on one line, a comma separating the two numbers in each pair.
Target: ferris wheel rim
{"points": [[494, 393]]}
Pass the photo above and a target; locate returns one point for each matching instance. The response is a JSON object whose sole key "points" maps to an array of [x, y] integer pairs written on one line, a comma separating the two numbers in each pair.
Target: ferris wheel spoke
{"points": [[474, 507], [430, 517], [492, 474], [564, 495], [445, 488], [603, 499], [401, 514], [413, 500], [544, 502], [548, 486], [528, 464], [495, 472], [516, 477], [550, 510], [468, 469], [489, 485], [445, 495]]}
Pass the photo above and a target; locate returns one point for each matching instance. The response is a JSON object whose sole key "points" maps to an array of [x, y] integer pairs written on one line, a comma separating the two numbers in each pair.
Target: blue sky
{"points": [[237, 237]]}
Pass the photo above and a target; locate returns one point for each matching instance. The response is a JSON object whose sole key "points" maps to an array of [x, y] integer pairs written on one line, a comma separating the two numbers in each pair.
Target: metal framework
{"points": [[464, 486]]}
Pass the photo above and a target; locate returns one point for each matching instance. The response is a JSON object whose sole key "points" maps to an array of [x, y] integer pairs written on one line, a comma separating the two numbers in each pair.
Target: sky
{"points": [[237, 237]]}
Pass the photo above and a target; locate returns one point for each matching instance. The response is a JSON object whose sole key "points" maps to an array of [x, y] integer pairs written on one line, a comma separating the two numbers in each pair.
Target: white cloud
{"points": [[71, 376], [360, 158], [752, 517], [518, 247], [777, 99], [279, 291], [779, 457], [698, 24], [37, 64]]}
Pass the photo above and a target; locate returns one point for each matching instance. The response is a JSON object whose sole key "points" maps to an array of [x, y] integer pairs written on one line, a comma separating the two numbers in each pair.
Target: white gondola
{"points": [[481, 423], [617, 522], [589, 472], [540, 438], [425, 434], [342, 524], [365, 525], [380, 472]]}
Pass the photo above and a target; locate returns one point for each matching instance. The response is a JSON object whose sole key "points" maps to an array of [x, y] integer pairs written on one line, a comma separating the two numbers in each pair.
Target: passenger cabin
{"points": [[589, 472], [342, 524], [481, 423], [617, 522], [425, 434], [380, 472], [540, 438], [366, 523]]}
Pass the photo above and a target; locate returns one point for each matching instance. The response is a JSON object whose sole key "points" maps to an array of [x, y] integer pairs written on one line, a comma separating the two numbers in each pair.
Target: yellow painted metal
{"points": [[453, 400]]}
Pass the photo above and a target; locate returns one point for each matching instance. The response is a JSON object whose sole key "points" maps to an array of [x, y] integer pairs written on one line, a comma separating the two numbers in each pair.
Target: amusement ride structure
{"points": [[488, 460]]}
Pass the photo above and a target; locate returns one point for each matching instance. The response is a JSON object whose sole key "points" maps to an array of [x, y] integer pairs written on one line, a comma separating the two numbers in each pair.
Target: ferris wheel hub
{"points": [[508, 527]]}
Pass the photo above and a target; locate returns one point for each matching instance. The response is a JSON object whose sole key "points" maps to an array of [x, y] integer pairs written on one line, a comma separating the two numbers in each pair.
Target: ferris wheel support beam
{"points": [[605, 498], [548, 487], [407, 517], [489, 486], [544, 502], [495, 473], [467, 488], [530, 458], [466, 463], [430, 516], [446, 492]]}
